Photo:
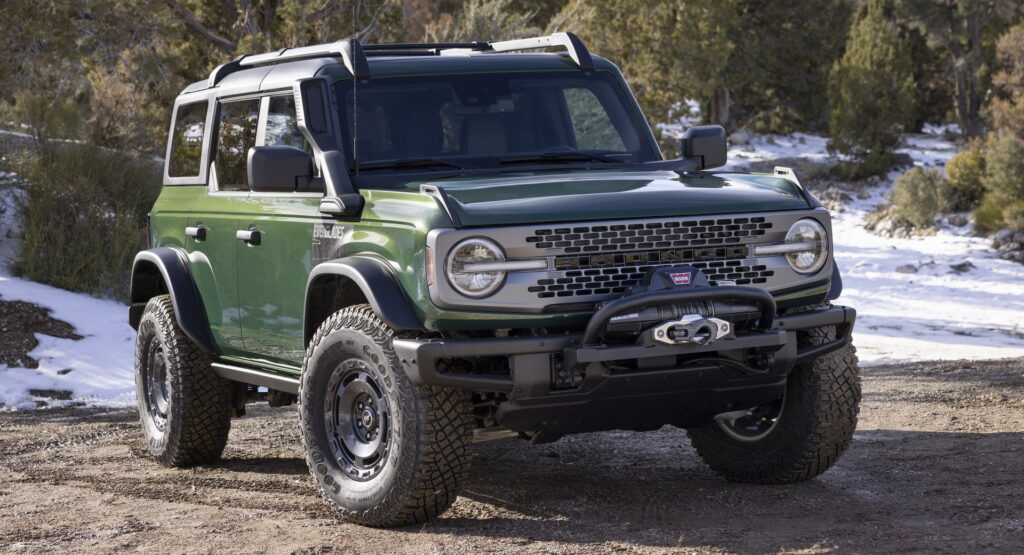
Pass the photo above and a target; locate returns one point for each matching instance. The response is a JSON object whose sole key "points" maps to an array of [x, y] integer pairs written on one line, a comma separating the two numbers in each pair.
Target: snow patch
{"points": [[101, 363]]}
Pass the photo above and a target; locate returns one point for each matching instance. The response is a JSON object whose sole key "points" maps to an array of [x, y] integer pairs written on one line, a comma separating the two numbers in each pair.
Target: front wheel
{"points": [[383, 450], [795, 437]]}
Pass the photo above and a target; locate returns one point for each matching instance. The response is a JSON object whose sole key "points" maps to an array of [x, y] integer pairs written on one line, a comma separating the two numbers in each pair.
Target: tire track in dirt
{"points": [[934, 466]]}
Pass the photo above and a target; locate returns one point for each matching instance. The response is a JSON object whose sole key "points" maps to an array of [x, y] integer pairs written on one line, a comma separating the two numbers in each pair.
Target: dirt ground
{"points": [[937, 465]]}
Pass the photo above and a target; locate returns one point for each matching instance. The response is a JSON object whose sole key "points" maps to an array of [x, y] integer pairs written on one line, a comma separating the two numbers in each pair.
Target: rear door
{"points": [[273, 274], [214, 220]]}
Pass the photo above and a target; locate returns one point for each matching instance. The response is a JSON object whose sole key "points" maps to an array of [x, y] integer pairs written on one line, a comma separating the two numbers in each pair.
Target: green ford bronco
{"points": [[427, 245]]}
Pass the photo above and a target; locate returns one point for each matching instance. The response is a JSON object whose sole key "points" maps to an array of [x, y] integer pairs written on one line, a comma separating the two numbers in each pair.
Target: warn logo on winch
{"points": [[682, 278]]}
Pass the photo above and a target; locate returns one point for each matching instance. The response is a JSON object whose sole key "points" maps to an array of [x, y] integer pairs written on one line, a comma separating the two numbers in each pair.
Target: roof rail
{"points": [[350, 50], [570, 42], [428, 46], [354, 54]]}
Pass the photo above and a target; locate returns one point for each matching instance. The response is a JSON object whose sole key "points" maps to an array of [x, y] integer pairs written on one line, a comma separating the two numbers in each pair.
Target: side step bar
{"points": [[256, 377]]}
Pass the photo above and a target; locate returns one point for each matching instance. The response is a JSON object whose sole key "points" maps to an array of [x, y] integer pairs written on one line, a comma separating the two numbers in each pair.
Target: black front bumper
{"points": [[709, 383]]}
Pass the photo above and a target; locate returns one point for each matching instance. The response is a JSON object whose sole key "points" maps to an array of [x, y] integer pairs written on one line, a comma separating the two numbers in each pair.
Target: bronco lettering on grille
{"points": [[670, 256]]}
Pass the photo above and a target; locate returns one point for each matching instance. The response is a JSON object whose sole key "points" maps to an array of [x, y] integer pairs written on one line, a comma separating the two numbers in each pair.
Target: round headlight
{"points": [[807, 233], [474, 283]]}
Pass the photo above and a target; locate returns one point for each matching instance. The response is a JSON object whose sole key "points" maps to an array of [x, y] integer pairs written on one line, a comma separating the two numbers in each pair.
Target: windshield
{"points": [[490, 120]]}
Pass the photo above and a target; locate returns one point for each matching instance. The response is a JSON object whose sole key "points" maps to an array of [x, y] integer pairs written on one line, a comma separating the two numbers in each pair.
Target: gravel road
{"points": [[937, 465]]}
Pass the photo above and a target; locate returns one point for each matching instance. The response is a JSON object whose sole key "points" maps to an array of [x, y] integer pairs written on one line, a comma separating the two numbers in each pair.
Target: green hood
{"points": [[604, 195]]}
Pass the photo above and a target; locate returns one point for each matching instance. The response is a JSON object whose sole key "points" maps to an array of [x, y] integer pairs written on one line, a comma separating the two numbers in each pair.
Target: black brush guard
{"points": [[689, 394]]}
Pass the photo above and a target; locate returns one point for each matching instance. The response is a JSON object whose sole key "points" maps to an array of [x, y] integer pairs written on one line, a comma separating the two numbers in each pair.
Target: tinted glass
{"points": [[282, 126], [187, 140], [236, 134], [591, 126], [492, 116]]}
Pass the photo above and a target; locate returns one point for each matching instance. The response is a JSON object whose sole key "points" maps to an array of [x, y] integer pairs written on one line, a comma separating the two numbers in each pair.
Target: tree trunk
{"points": [[720, 104]]}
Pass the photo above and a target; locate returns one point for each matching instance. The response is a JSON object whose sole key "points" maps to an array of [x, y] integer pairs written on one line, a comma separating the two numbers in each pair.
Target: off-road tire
{"points": [[818, 418], [197, 413], [431, 428]]}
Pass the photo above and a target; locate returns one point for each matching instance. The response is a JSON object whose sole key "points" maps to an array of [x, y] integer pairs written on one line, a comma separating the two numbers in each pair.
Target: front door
{"points": [[212, 242], [274, 272]]}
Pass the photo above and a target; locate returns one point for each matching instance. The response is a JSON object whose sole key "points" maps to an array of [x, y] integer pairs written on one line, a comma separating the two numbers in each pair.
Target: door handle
{"points": [[196, 232], [250, 236]]}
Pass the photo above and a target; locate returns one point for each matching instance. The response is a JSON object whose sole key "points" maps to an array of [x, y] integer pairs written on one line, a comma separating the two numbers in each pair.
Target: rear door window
{"points": [[236, 134], [187, 140]]}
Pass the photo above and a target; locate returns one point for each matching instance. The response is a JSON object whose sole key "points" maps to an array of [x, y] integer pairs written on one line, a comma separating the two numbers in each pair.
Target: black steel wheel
{"points": [[358, 418], [751, 424], [154, 374]]}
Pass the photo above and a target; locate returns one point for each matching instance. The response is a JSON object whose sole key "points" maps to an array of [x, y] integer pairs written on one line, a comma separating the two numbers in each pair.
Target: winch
{"points": [[699, 322]]}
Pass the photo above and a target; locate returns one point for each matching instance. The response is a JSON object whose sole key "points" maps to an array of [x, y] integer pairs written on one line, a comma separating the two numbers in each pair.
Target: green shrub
{"points": [[1004, 168], [83, 216], [1004, 181], [966, 173], [988, 216], [920, 195], [870, 165], [1013, 216]]}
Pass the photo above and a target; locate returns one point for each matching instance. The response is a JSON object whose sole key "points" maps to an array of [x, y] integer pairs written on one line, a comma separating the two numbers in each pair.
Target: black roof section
{"points": [[354, 54]]}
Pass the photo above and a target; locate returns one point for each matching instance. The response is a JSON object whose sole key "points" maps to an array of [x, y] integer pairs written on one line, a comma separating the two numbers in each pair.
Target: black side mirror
{"points": [[279, 168], [707, 144]]}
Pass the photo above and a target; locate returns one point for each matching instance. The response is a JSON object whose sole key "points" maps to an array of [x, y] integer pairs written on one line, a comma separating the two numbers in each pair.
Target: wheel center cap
{"points": [[369, 418]]}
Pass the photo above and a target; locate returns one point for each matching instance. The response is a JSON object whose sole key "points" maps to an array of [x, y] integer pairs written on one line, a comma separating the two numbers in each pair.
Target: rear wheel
{"points": [[383, 450], [185, 408], [797, 436]]}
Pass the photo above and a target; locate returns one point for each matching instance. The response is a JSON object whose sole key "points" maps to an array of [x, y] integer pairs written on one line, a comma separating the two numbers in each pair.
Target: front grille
{"points": [[609, 259], [607, 281], [651, 235]]}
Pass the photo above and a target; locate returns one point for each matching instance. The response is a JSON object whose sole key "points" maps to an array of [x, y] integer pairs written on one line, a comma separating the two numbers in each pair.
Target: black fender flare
{"points": [[836, 287], [378, 284], [169, 265]]}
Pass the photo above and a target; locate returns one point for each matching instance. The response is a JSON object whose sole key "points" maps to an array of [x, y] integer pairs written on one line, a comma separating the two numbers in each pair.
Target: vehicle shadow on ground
{"points": [[287, 466], [889, 486]]}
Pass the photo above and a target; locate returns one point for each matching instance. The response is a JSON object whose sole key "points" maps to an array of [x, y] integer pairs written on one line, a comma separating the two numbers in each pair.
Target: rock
{"points": [[740, 137], [1018, 237], [770, 140], [958, 220], [1002, 236], [801, 140], [962, 267], [1011, 247], [907, 269]]}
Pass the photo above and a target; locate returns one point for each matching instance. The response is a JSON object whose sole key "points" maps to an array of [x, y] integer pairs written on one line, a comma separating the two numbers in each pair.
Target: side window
{"points": [[282, 126], [590, 122], [236, 134], [187, 140]]}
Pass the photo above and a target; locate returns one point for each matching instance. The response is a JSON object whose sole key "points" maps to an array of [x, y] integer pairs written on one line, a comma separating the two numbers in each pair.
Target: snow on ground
{"points": [[936, 313], [101, 363]]}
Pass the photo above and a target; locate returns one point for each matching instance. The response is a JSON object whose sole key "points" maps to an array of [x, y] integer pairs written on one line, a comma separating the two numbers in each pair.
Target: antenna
{"points": [[355, 105]]}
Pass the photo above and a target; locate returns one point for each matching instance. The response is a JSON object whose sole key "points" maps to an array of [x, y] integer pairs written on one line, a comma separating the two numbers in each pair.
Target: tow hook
{"points": [[692, 328]]}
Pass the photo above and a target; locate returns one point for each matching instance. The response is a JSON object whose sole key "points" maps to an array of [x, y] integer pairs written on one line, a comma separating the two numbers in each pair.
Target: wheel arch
{"points": [[164, 270], [344, 282]]}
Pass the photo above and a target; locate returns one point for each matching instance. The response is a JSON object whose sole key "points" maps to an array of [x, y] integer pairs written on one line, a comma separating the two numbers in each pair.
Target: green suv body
{"points": [[433, 243]]}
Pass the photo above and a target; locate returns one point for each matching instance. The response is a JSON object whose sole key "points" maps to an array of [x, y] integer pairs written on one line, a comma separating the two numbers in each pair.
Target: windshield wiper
{"points": [[409, 163], [562, 156]]}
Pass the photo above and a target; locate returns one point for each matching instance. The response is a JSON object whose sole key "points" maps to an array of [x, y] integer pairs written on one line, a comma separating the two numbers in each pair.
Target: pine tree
{"points": [[871, 89]]}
